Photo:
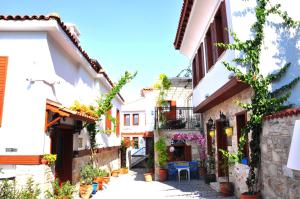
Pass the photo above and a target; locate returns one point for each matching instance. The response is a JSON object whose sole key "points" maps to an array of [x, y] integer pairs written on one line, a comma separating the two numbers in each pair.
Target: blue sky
{"points": [[133, 35]]}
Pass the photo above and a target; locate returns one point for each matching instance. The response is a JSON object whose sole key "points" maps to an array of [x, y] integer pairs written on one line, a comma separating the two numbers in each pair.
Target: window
{"points": [[208, 53], [135, 119], [126, 120], [135, 142]]}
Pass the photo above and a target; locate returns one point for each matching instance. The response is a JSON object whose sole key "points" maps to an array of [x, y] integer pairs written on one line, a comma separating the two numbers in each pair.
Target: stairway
{"points": [[138, 157]]}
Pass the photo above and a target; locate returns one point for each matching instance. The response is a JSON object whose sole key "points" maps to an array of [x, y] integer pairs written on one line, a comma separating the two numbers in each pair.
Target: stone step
{"points": [[215, 186]]}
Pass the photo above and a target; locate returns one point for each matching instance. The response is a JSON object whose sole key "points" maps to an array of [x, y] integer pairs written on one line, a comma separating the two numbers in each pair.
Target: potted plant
{"points": [[49, 159], [226, 188], [86, 179], [61, 191], [162, 156], [210, 176]]}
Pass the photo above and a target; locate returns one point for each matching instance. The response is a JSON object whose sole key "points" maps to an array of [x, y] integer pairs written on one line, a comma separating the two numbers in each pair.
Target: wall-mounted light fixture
{"points": [[211, 128], [172, 149], [228, 129], [294, 160]]}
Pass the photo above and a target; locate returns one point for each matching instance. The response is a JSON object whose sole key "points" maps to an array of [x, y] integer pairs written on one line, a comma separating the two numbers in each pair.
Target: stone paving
{"points": [[133, 186]]}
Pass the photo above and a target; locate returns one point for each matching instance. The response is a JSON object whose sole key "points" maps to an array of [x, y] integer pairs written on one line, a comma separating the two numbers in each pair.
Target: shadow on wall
{"points": [[288, 51]]}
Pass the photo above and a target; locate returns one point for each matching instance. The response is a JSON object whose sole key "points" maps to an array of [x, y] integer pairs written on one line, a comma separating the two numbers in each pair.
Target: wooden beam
{"points": [[20, 159], [53, 122]]}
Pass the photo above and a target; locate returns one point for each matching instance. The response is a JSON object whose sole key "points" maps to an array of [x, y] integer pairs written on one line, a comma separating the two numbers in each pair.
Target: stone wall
{"points": [[229, 107], [43, 175], [278, 181], [107, 159]]}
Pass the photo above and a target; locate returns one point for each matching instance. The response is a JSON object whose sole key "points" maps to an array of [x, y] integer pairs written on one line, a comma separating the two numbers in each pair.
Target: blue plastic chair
{"points": [[194, 169], [172, 171]]}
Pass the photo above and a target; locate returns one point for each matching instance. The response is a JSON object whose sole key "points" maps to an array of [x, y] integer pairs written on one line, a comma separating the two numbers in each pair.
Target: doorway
{"points": [[241, 121], [221, 144], [62, 146]]}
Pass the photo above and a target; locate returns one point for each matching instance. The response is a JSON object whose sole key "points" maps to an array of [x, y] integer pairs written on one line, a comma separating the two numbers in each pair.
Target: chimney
{"points": [[74, 31]]}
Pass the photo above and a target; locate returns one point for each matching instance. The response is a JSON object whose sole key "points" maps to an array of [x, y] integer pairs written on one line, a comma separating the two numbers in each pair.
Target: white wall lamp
{"points": [[294, 159]]}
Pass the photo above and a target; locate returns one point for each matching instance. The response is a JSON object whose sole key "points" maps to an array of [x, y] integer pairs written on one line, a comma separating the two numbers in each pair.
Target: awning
{"points": [[58, 108]]}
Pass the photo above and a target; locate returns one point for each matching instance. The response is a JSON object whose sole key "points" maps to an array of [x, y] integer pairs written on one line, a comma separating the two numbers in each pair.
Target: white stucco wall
{"points": [[279, 47], [37, 56]]}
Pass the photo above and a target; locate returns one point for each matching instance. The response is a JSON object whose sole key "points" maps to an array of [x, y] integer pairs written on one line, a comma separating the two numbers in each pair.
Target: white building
{"points": [[139, 117], [44, 70], [204, 23]]}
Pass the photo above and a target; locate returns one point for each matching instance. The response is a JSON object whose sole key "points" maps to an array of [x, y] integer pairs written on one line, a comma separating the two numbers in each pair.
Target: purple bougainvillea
{"points": [[198, 138]]}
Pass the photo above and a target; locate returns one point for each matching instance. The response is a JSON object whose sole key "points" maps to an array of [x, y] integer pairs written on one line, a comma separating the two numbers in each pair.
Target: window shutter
{"points": [[118, 122], [224, 22], [200, 58], [170, 154], [194, 73], [188, 153], [3, 72], [213, 34], [107, 121]]}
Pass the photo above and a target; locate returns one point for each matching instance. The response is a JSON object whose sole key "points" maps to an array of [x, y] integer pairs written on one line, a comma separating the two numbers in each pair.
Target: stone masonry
{"points": [[278, 181], [107, 159], [229, 107]]}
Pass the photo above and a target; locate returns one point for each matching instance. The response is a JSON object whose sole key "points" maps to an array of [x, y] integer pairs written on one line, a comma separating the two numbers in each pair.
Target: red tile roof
{"points": [[94, 63], [183, 21], [64, 111], [284, 113]]}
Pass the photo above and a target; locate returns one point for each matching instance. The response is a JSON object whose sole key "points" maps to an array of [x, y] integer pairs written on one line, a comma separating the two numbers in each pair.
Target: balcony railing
{"points": [[176, 118]]}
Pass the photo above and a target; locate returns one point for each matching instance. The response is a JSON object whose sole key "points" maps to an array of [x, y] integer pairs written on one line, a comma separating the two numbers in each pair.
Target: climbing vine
{"points": [[263, 102], [105, 104]]}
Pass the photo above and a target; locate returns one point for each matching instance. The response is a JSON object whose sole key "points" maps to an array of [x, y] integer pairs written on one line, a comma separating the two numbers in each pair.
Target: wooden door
{"points": [[62, 146], [209, 141], [221, 144]]}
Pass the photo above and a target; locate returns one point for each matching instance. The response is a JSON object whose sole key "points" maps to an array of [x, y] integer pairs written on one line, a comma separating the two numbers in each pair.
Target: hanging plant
{"points": [[263, 102]]}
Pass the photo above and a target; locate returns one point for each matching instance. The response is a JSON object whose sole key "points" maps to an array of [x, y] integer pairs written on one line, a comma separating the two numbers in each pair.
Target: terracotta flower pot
{"points": [[115, 173], [44, 161], [99, 179], [253, 196], [100, 185], [148, 177], [226, 188], [123, 170], [163, 174], [85, 191], [106, 180]]}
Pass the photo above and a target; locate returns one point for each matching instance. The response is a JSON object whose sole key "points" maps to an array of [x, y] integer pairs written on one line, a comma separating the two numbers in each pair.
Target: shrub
{"points": [[87, 174], [63, 191]]}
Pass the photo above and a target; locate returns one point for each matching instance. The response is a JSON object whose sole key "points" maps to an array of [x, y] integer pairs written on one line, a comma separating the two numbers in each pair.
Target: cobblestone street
{"points": [[133, 186]]}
